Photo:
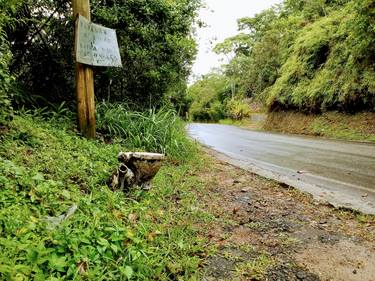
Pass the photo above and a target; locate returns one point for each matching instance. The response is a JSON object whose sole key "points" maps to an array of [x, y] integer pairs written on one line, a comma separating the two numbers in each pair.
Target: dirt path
{"points": [[265, 231]]}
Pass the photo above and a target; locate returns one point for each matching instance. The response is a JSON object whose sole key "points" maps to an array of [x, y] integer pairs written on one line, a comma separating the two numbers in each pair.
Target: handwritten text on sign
{"points": [[96, 45]]}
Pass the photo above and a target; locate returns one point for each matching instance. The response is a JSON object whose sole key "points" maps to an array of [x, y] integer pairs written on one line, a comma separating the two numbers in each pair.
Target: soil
{"points": [[263, 230], [336, 125]]}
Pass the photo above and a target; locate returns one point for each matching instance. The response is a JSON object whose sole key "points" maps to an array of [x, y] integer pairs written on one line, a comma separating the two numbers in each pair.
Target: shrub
{"points": [[212, 111], [310, 56], [238, 109], [154, 41], [153, 130], [5, 80], [206, 98], [5, 57]]}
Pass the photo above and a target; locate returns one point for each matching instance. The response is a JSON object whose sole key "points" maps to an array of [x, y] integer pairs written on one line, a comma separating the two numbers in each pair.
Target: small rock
{"points": [[245, 199], [354, 271], [245, 190], [301, 275], [365, 195]]}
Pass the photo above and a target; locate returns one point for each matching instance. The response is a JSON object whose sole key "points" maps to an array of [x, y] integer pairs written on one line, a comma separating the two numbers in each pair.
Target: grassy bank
{"points": [[46, 171], [358, 127], [254, 122]]}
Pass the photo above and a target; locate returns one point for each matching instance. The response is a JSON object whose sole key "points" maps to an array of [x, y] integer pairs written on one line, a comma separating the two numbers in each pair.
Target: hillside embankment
{"points": [[335, 125]]}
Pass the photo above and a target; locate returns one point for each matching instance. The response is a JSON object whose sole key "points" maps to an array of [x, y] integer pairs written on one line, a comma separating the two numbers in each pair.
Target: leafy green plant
{"points": [[206, 98], [46, 170], [6, 79], [153, 130], [238, 109]]}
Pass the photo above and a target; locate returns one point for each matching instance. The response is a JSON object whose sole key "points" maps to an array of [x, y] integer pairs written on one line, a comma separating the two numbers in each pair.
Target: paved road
{"points": [[342, 173]]}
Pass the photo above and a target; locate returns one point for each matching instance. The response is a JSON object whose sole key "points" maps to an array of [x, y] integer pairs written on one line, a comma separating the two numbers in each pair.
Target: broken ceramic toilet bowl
{"points": [[136, 169]]}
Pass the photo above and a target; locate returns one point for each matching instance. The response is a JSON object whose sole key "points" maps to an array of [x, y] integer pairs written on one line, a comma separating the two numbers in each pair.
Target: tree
{"points": [[206, 97], [155, 39], [6, 8], [306, 55]]}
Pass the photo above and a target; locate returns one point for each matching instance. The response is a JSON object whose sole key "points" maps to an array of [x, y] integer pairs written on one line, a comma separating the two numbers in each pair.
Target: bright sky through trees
{"points": [[221, 19]]}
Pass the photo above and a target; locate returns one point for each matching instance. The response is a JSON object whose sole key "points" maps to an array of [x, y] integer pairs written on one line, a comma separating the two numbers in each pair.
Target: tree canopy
{"points": [[155, 39], [310, 56]]}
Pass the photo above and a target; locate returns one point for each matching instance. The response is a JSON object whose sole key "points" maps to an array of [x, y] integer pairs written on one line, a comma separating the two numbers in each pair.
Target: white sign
{"points": [[96, 45]]}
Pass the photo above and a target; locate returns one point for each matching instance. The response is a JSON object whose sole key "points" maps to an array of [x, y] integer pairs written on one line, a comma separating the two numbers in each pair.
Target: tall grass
{"points": [[153, 130], [46, 170]]}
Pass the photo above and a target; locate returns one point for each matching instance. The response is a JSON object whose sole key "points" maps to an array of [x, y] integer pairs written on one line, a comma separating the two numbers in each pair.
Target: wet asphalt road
{"points": [[342, 173]]}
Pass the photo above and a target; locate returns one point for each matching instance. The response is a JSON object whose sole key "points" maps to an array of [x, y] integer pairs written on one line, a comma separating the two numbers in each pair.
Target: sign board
{"points": [[96, 45]]}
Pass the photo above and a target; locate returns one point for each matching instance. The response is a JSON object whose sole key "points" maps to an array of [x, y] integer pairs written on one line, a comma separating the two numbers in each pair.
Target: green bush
{"points": [[323, 72], [238, 109], [5, 81], [6, 8], [206, 98], [153, 130], [213, 111]]}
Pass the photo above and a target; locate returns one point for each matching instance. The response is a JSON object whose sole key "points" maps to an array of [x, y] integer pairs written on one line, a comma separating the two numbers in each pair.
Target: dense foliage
{"points": [[310, 56], [206, 97], [159, 131], [213, 98], [60, 221], [5, 80], [156, 46], [5, 56]]}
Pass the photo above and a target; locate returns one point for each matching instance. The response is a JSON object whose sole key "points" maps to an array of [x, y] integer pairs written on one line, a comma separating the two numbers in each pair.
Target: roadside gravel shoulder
{"points": [[268, 231]]}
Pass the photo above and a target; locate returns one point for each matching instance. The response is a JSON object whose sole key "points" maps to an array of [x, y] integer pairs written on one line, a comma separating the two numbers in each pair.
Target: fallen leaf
{"points": [[151, 236], [133, 218], [82, 267], [235, 210]]}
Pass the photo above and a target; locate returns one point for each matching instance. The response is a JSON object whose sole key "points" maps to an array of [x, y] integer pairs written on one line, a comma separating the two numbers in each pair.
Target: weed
{"points": [[256, 268], [154, 131], [45, 170]]}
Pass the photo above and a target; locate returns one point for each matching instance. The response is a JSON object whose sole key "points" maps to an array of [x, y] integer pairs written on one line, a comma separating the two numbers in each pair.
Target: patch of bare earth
{"points": [[266, 231]]}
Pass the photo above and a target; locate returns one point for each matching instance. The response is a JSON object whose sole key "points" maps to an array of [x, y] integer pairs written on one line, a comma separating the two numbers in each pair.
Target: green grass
{"points": [[153, 131], [339, 130], [256, 268], [333, 125], [239, 123], [46, 168], [246, 123]]}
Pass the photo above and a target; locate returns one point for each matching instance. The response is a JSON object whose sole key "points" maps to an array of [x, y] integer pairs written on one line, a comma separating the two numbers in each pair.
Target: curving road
{"points": [[342, 173]]}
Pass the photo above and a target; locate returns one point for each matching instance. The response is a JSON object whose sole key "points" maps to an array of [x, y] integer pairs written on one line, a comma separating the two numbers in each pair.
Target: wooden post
{"points": [[84, 81]]}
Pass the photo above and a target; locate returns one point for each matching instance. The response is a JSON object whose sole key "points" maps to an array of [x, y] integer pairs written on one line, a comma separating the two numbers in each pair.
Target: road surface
{"points": [[342, 173]]}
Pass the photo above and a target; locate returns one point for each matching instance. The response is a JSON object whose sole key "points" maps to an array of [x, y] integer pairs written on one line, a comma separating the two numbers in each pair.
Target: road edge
{"points": [[319, 194]]}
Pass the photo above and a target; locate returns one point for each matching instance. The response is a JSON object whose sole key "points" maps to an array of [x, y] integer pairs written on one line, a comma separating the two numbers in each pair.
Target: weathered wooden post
{"points": [[84, 80]]}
